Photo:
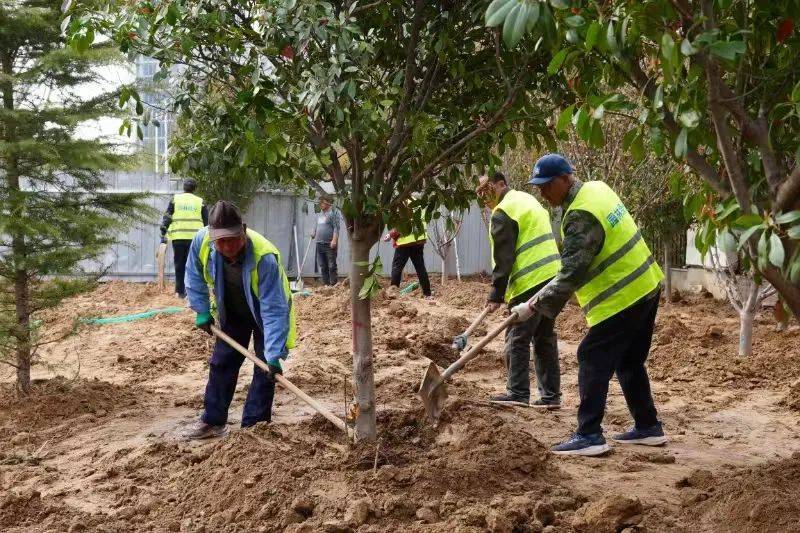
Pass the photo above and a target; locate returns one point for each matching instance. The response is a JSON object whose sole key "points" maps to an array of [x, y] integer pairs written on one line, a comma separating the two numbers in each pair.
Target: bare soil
{"points": [[96, 445]]}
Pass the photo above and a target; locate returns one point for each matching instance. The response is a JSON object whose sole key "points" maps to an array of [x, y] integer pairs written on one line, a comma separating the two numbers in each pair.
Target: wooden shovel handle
{"points": [[477, 322], [333, 419], [475, 350]]}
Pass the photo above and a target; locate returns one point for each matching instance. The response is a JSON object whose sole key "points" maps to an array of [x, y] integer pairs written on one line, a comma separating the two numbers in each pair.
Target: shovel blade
{"points": [[433, 393]]}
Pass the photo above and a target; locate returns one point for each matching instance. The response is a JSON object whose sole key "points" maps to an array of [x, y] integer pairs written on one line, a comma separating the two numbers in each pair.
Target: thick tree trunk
{"points": [[363, 378]]}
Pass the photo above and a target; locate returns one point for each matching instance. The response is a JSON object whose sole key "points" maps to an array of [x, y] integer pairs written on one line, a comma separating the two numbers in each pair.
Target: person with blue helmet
{"points": [[606, 264]]}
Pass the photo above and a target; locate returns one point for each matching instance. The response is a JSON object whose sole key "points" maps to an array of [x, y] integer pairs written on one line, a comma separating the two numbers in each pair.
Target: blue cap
{"points": [[549, 166]]}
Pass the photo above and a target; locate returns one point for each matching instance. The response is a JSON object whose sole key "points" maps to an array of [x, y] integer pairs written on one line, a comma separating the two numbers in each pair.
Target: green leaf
{"points": [[559, 4], [689, 119], [788, 218], [747, 220], [244, 156], [564, 118], [139, 132], [794, 271], [173, 14], [497, 11], [745, 237], [687, 49], [557, 61], [794, 232], [728, 211], [776, 252], [592, 34], [667, 49], [796, 93], [728, 49], [611, 39], [65, 5], [597, 140], [637, 148], [65, 23], [187, 44], [763, 245], [658, 98], [726, 241], [583, 125], [681, 144], [515, 23], [139, 107], [575, 21]]}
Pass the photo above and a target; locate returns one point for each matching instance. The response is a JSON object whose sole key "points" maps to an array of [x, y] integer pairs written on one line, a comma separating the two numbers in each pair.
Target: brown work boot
{"points": [[201, 430]]}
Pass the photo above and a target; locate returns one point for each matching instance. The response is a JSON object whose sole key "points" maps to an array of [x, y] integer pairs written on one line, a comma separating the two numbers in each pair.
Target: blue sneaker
{"points": [[578, 444], [653, 436]]}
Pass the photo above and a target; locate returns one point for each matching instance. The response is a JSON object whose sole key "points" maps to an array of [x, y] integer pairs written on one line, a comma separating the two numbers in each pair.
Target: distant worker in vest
{"points": [[253, 299], [410, 247], [617, 282], [186, 214], [524, 258], [326, 234]]}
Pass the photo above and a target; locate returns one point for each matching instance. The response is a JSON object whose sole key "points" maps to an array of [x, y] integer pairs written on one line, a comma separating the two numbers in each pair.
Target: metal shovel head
{"points": [[433, 393], [459, 342]]}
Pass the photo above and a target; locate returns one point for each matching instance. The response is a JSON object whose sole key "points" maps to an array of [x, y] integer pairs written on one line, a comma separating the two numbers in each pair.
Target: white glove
{"points": [[523, 311]]}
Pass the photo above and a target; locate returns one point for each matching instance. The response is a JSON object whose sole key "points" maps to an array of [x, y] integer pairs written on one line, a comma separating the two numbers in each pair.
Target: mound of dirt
{"points": [[276, 476], [757, 499], [571, 324], [55, 401], [28, 509]]}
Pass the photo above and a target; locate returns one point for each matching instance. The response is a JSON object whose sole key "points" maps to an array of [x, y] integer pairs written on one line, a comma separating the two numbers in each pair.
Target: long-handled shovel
{"points": [[338, 422], [433, 390], [297, 285], [460, 341]]}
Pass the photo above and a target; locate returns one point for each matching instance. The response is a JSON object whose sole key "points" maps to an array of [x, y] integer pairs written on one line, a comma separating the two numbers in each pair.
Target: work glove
{"points": [[523, 311], [274, 368], [204, 321]]}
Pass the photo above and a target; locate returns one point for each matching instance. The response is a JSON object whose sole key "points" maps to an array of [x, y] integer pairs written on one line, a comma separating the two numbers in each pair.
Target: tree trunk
{"points": [[790, 293], [23, 336], [667, 274], [746, 319], [16, 202], [363, 378]]}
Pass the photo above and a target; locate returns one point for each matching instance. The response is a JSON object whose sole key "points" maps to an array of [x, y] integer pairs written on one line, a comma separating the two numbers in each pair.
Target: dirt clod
{"points": [[545, 513], [608, 515]]}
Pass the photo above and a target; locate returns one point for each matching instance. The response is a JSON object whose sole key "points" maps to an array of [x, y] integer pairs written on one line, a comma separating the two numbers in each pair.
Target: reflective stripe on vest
{"points": [[261, 247], [187, 217], [537, 259], [624, 271]]}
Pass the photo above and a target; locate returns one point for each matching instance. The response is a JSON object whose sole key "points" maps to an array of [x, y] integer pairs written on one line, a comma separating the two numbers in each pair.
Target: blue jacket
{"points": [[270, 307]]}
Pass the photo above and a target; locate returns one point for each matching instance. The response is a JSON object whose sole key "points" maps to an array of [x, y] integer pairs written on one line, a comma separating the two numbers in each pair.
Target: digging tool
{"points": [[433, 390], [338, 422], [297, 285], [460, 341], [161, 260]]}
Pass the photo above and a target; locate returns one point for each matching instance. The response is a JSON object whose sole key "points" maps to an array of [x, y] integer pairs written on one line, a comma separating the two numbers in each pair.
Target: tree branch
{"points": [[788, 196]]}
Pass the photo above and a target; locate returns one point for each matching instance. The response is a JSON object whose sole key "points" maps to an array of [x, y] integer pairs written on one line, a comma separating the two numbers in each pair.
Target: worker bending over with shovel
{"points": [[252, 298], [524, 258], [608, 266]]}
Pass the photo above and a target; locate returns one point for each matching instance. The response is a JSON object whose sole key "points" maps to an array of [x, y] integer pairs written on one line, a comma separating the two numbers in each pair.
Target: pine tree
{"points": [[54, 215]]}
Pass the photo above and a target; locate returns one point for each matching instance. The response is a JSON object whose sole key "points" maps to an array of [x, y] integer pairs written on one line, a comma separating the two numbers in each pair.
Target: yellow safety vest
{"points": [[187, 218], [537, 259], [409, 239], [624, 271], [261, 247]]}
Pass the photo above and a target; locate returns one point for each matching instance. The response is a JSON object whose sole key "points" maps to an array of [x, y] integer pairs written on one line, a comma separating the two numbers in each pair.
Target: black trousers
{"points": [[180, 253], [326, 259], [618, 345], [223, 373], [415, 252], [540, 331]]}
